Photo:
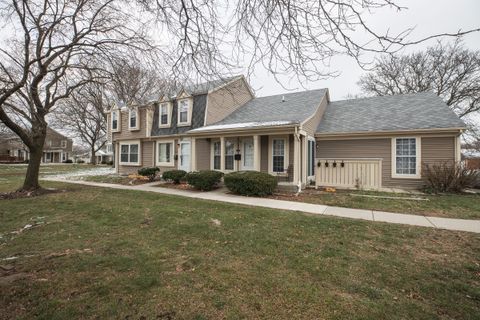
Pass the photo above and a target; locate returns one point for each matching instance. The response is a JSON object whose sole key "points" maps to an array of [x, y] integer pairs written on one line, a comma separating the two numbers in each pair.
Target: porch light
{"points": [[326, 164], [342, 164], [319, 164], [334, 164]]}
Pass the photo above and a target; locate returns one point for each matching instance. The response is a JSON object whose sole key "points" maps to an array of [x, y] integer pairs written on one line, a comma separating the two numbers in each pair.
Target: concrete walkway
{"points": [[371, 215]]}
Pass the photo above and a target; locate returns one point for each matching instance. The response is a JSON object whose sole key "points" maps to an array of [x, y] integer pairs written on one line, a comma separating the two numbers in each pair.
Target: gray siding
{"points": [[434, 150], [203, 154], [198, 118]]}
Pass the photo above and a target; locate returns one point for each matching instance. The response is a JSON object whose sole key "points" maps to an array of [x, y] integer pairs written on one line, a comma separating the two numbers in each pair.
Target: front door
{"points": [[247, 154], [184, 158]]}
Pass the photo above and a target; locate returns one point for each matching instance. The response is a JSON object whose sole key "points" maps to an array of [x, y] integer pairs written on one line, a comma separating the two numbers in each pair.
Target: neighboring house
{"points": [[302, 138], [104, 155], [57, 148], [472, 159]]}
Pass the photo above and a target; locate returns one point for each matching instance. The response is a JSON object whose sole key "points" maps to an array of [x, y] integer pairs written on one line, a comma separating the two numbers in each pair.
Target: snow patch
{"points": [[80, 174]]}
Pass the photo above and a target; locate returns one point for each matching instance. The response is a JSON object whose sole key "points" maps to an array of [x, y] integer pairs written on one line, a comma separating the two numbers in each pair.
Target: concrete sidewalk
{"points": [[371, 215]]}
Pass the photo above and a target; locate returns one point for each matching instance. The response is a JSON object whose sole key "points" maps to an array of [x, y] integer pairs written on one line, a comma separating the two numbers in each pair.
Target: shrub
{"points": [[68, 161], [103, 162], [80, 161], [150, 173], [448, 177], [174, 175], [110, 163], [250, 183], [204, 180]]}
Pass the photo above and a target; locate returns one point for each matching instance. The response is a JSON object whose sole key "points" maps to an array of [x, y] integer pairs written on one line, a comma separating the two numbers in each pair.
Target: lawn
{"points": [[463, 206], [114, 254]]}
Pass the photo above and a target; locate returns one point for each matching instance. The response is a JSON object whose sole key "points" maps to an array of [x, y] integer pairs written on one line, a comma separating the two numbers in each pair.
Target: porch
{"points": [[54, 156], [284, 155]]}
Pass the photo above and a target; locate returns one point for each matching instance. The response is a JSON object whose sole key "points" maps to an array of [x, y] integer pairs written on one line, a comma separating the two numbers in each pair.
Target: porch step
{"points": [[286, 187]]}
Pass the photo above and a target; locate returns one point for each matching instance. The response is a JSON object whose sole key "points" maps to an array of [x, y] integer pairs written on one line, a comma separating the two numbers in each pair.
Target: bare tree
{"points": [[49, 55], [451, 71], [286, 37], [83, 115], [132, 83], [49, 52]]}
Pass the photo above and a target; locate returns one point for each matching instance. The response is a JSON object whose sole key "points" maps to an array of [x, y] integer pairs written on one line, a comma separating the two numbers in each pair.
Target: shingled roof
{"points": [[388, 113], [277, 110]]}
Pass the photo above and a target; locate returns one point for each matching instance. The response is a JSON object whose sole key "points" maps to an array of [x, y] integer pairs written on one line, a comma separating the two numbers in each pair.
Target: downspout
{"points": [[299, 173]]}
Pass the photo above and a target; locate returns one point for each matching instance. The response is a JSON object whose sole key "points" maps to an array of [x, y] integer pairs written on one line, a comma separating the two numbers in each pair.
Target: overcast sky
{"points": [[427, 16]]}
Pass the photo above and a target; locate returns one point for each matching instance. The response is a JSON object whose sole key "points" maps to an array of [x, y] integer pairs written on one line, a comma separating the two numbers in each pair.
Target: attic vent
{"points": [[283, 98]]}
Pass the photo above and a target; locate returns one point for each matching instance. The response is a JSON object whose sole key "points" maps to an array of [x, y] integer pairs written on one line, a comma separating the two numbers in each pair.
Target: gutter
{"points": [[383, 133], [241, 130]]}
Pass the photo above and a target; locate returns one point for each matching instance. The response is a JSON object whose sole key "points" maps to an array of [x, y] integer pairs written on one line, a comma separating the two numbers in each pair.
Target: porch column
{"points": [[194, 154], [256, 152], [296, 162], [304, 161], [222, 153]]}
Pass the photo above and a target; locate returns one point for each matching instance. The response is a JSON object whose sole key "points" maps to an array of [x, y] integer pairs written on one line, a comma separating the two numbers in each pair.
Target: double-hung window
{"points": [[229, 155], [133, 119], [129, 153], [216, 155], [115, 120], [164, 114], [184, 112], [63, 144], [406, 157], [278, 155], [165, 153]]}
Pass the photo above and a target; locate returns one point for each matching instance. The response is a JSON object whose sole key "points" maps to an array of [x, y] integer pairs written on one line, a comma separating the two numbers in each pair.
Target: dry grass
{"points": [[464, 206], [118, 254]]}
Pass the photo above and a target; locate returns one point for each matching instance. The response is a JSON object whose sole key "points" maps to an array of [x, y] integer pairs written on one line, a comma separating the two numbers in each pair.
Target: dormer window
{"points": [[164, 114], [184, 112], [115, 120], [133, 119]]}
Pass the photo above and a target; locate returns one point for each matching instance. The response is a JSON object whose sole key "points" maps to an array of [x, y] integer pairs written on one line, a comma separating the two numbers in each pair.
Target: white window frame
{"points": [[172, 153], [212, 152], [137, 120], [169, 115], [418, 161], [189, 114], [109, 148], [232, 140], [129, 143], [242, 152], [63, 144], [118, 113], [285, 157]]}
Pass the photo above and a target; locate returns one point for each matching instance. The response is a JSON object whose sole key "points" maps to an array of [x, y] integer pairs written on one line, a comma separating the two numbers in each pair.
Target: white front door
{"points": [[247, 162], [184, 157]]}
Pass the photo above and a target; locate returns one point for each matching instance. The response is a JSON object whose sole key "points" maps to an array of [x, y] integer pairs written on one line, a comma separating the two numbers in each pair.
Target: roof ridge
{"points": [[284, 94], [385, 96]]}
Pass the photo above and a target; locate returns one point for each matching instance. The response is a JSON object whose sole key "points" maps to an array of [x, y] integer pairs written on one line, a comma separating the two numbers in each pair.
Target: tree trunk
{"points": [[93, 159], [33, 170], [39, 132]]}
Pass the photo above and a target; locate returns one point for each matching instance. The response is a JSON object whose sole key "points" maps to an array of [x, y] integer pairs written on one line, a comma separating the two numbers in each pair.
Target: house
{"points": [[103, 156], [57, 148], [302, 138], [471, 158]]}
